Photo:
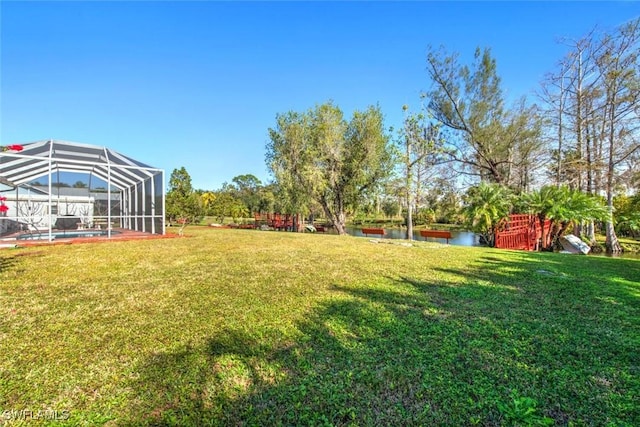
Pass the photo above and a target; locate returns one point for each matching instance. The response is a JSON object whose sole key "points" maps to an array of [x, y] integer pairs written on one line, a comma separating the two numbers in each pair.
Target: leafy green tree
{"points": [[390, 207], [247, 188], [443, 198], [183, 204], [318, 156], [246, 182], [226, 204], [425, 216], [393, 196], [627, 211], [485, 206], [448, 206], [267, 198]]}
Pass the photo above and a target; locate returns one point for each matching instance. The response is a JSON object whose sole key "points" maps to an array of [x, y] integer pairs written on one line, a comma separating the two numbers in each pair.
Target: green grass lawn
{"points": [[242, 327]]}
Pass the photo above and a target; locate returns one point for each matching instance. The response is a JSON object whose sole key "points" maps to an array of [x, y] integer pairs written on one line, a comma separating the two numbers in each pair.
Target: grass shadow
{"points": [[413, 350], [7, 262]]}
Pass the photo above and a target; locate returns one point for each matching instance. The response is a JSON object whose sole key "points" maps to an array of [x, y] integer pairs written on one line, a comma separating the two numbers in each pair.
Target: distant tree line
{"points": [[465, 156]]}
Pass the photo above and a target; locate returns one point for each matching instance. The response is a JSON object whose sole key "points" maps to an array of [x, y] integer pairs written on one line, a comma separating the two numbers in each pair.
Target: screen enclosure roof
{"points": [[40, 158]]}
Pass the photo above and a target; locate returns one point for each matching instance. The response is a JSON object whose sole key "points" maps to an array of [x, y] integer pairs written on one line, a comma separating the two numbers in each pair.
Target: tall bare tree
{"points": [[594, 96], [618, 62], [554, 94], [569, 95], [421, 145]]}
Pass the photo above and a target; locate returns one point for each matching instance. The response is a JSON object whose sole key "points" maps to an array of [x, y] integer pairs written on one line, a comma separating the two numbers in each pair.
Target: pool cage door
{"points": [[141, 208]]}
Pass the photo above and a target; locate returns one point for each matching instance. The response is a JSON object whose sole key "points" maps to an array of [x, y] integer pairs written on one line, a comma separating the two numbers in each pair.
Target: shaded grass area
{"points": [[231, 327]]}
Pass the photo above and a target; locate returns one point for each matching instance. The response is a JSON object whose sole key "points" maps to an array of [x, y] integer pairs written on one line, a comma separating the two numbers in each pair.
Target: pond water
{"points": [[460, 238]]}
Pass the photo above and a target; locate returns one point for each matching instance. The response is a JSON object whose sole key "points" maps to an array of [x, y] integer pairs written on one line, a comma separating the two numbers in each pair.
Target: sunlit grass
{"points": [[265, 328]]}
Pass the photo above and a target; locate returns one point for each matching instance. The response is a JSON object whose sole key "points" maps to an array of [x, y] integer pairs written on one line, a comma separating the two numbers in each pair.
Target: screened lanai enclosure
{"points": [[56, 187]]}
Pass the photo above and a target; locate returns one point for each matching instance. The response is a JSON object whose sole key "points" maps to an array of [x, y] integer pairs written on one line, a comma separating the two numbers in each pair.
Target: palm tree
{"points": [[207, 199], [563, 207], [485, 206], [629, 223], [581, 207], [546, 203]]}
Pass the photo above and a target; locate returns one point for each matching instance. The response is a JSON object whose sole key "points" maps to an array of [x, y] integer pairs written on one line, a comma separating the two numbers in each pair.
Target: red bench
{"points": [[441, 234], [377, 231]]}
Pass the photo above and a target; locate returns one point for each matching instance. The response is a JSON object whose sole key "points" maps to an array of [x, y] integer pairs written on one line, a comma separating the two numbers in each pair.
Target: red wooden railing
{"points": [[278, 221], [522, 231]]}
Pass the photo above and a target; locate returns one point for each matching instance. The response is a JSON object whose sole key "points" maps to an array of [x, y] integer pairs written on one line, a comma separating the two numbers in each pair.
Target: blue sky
{"points": [[198, 84]]}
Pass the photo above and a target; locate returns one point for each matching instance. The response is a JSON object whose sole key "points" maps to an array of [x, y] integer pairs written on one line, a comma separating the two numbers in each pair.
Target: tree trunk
{"points": [[543, 233], [409, 235], [560, 113], [579, 99], [591, 233], [589, 160], [338, 218], [612, 244], [561, 229], [340, 223], [490, 238], [408, 178], [577, 229]]}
